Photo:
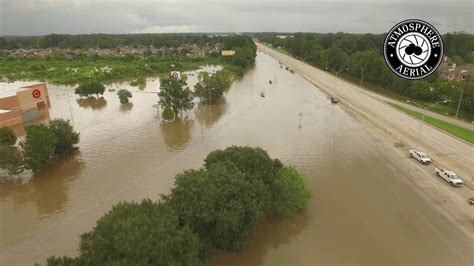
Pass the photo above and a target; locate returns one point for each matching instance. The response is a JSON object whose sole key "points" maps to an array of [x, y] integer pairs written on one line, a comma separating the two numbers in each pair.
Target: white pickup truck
{"points": [[450, 177], [420, 156]]}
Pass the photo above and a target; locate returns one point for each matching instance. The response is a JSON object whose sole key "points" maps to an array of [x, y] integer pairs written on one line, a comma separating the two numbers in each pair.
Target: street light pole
{"points": [[460, 100], [423, 116], [361, 74]]}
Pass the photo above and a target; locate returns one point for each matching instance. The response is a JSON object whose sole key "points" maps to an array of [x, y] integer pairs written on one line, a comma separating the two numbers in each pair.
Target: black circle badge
{"points": [[413, 49]]}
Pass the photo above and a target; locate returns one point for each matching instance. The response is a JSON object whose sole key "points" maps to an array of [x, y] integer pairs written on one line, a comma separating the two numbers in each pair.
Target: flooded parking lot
{"points": [[360, 213]]}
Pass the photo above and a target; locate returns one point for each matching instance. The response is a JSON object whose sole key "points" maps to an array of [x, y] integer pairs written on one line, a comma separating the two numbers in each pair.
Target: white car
{"points": [[450, 177], [420, 156]]}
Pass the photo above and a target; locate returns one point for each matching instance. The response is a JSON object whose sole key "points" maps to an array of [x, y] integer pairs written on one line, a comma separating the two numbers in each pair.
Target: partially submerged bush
{"points": [[145, 233]]}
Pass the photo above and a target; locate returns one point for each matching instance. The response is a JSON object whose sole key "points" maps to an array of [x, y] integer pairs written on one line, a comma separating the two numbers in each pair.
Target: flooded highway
{"points": [[361, 212]]}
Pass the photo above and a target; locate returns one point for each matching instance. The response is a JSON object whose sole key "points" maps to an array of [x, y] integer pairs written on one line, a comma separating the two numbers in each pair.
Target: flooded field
{"points": [[360, 213]]}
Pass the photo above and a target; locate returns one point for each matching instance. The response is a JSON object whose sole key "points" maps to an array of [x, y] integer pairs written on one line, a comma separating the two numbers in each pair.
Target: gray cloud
{"points": [[37, 17]]}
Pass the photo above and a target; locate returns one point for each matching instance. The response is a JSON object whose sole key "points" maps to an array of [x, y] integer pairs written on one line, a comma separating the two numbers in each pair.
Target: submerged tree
{"points": [[219, 204], [168, 114], [66, 137], [90, 88], [145, 233], [7, 136], [211, 88], [124, 95], [290, 192], [175, 94], [38, 147]]}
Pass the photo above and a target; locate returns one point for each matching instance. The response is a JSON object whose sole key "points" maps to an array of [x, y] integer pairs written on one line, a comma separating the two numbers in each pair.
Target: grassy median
{"points": [[457, 131]]}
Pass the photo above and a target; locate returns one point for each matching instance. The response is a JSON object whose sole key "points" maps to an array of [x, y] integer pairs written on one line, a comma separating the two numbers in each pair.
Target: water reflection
{"points": [[48, 190], [208, 115], [125, 107], [92, 102], [263, 240], [177, 134]]}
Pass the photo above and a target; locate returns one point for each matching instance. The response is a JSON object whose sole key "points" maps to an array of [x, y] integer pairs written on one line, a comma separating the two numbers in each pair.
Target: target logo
{"points": [[36, 94], [413, 49]]}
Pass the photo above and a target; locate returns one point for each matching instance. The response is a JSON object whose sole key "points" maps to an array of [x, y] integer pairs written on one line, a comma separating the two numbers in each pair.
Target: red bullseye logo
{"points": [[36, 94]]}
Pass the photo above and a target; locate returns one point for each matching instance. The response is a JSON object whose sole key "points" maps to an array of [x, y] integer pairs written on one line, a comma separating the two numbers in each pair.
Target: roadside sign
{"points": [[36, 94], [175, 74], [228, 52]]}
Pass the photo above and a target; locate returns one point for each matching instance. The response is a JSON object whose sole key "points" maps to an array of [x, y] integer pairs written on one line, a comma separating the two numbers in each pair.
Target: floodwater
{"points": [[360, 213]]}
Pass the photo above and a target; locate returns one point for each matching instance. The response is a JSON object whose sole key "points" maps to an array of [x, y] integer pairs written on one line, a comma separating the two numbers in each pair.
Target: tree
{"points": [[168, 114], [66, 137], [175, 93], [90, 88], [10, 159], [219, 204], [254, 163], [290, 192], [124, 95], [7, 136], [211, 88], [38, 147], [145, 233]]}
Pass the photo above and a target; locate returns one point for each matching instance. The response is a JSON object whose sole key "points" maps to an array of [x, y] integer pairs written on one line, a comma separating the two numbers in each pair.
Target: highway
{"points": [[401, 130]]}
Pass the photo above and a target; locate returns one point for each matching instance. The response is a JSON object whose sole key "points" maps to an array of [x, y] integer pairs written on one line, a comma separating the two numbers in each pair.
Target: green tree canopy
{"points": [[66, 137], [290, 192], [254, 163], [124, 95], [90, 88], [10, 159], [175, 94], [7, 136], [38, 146], [168, 114], [219, 204], [210, 88], [145, 233]]}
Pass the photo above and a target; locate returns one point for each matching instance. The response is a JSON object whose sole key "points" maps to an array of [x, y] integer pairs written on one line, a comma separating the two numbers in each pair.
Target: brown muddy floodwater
{"points": [[360, 213]]}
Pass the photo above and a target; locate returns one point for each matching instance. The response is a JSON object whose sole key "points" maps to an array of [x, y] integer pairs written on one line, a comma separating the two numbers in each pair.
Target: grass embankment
{"points": [[103, 69], [457, 131]]}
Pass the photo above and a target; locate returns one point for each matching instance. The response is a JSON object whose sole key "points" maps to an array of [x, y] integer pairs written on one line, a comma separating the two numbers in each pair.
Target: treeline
{"points": [[245, 50], [218, 206], [62, 70], [110, 41], [352, 54]]}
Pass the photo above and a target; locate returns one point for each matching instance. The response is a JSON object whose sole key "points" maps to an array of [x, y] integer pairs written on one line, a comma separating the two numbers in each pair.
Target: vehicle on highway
{"points": [[292, 71], [471, 201], [262, 94], [334, 99], [420, 156], [270, 82], [450, 177]]}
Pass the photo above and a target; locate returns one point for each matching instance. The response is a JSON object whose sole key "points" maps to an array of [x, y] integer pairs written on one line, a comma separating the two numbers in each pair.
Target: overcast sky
{"points": [[39, 17]]}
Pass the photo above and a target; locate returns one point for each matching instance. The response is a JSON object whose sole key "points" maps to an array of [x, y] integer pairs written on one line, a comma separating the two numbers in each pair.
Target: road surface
{"points": [[401, 129]]}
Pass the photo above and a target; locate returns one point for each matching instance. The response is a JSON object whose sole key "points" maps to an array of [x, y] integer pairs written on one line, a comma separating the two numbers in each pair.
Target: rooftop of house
{"points": [[10, 89]]}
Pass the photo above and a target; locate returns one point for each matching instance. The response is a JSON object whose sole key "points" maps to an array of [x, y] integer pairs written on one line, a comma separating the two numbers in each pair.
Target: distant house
{"points": [[450, 71]]}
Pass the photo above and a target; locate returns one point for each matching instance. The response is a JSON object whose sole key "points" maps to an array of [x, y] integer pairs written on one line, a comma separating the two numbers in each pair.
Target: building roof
{"points": [[3, 111], [10, 89]]}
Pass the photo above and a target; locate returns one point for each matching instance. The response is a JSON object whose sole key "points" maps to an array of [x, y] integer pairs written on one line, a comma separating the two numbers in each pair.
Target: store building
{"points": [[22, 102]]}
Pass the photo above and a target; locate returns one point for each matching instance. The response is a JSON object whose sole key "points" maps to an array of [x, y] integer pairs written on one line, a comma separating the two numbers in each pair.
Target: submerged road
{"points": [[446, 151]]}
